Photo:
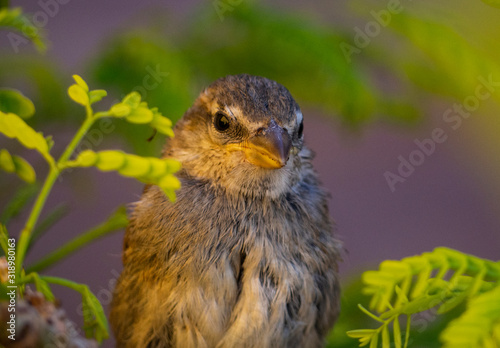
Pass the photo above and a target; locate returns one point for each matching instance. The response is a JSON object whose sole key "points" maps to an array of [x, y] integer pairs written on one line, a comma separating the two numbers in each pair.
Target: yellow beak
{"points": [[269, 148]]}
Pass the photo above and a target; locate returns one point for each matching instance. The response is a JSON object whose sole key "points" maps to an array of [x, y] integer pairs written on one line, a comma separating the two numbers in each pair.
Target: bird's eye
{"points": [[221, 122], [301, 129]]}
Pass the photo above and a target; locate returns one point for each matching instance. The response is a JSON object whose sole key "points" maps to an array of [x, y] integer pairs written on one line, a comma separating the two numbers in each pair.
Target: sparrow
{"points": [[246, 256]]}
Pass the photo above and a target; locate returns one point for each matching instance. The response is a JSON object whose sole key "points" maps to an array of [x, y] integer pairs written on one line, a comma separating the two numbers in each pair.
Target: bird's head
{"points": [[243, 133]]}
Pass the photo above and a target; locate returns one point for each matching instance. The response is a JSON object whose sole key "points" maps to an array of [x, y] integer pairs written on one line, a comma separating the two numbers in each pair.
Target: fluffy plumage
{"points": [[246, 256]]}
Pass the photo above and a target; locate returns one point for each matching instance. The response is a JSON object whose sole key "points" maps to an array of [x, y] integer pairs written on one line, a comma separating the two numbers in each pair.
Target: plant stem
{"points": [[76, 139], [35, 213], [64, 282], [54, 172], [40, 284]]}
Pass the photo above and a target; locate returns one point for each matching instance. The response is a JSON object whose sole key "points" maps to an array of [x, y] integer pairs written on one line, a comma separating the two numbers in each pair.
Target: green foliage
{"points": [[15, 164], [16, 20], [134, 111], [18, 202], [16, 103], [4, 236], [95, 322], [427, 55], [13, 126], [294, 51], [456, 64], [41, 285], [148, 170], [440, 280], [479, 326], [258, 40], [144, 62], [116, 222], [41, 77]]}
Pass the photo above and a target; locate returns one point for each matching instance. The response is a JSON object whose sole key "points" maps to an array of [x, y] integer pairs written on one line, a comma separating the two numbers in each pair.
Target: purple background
{"points": [[450, 200]]}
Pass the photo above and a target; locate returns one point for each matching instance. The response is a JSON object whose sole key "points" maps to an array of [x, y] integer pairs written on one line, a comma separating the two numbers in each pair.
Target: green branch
{"points": [[54, 172], [115, 222], [95, 322], [442, 279]]}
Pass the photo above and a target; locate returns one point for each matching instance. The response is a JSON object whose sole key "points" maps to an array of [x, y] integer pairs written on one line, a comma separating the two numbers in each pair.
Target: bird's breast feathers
{"points": [[243, 270]]}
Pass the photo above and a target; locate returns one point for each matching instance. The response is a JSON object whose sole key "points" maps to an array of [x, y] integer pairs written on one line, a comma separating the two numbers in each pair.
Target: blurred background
{"points": [[400, 100]]}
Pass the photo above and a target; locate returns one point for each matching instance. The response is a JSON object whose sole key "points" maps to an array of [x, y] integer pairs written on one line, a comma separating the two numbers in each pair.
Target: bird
{"points": [[247, 255]]}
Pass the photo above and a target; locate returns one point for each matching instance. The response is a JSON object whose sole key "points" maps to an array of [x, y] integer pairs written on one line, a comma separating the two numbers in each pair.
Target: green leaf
{"points": [[146, 169], [162, 124], [13, 101], [18, 202], [79, 95], [169, 182], [24, 170], [95, 323], [136, 111], [4, 236], [120, 110], [43, 287], [397, 333], [85, 159], [408, 326], [110, 160], [374, 341], [170, 194], [134, 166], [477, 324], [13, 126], [361, 333], [451, 302], [116, 222], [132, 99], [80, 82], [6, 162], [445, 278], [386, 341], [140, 115], [15, 19], [96, 95], [12, 163]]}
